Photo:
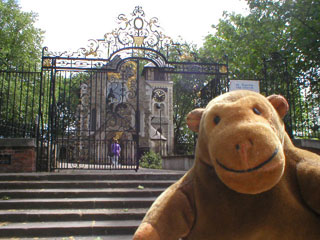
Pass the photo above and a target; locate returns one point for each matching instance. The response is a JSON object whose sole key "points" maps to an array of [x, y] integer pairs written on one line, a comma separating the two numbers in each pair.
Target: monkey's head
{"points": [[241, 135]]}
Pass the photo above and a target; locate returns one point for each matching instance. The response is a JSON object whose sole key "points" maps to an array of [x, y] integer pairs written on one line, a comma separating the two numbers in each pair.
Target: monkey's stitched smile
{"points": [[250, 169]]}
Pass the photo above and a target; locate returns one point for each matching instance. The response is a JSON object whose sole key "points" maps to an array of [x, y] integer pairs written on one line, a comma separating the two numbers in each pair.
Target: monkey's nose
{"points": [[243, 149]]}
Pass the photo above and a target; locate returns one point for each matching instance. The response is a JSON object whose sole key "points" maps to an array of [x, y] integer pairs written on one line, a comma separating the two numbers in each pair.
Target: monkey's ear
{"points": [[193, 119], [280, 104]]}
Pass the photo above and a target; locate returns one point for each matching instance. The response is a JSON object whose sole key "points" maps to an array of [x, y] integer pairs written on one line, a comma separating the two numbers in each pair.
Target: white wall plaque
{"points": [[244, 85]]}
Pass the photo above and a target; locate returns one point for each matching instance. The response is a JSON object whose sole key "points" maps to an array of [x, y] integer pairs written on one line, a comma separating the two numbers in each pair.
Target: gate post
{"points": [[40, 127]]}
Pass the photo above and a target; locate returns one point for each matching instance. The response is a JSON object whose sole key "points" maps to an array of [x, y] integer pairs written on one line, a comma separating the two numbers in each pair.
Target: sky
{"points": [[69, 24]]}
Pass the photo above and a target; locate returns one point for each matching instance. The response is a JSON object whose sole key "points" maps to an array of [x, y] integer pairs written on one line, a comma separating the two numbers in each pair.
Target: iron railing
{"points": [[302, 91], [302, 94], [19, 101], [66, 104]]}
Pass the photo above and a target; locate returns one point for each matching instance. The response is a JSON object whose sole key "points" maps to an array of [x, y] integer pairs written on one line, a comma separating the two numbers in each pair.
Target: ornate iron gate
{"points": [[85, 111], [91, 98]]}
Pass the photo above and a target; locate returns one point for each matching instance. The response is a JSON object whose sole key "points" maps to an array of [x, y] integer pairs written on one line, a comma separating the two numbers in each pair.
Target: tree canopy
{"points": [[290, 28], [285, 35], [20, 40]]}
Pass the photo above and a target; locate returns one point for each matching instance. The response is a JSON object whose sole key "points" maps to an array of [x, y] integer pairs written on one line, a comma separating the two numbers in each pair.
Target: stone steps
{"points": [[80, 193], [90, 175], [81, 205], [69, 228], [41, 215], [84, 184], [77, 203]]}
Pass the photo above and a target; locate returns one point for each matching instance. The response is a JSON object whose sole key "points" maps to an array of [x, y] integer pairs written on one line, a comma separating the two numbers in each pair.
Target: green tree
{"points": [[188, 94], [246, 40], [186, 89], [287, 35], [300, 21], [20, 40], [288, 27], [19, 102], [183, 102], [20, 49]]}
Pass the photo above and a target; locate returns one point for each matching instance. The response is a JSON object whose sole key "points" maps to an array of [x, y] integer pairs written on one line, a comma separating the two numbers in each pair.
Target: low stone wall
{"points": [[179, 162], [185, 162], [17, 155], [307, 144]]}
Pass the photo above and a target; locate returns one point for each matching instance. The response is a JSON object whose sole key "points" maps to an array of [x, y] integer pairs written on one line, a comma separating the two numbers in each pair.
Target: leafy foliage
{"points": [[185, 95], [67, 100], [279, 41], [20, 50], [19, 102], [151, 160], [20, 40]]}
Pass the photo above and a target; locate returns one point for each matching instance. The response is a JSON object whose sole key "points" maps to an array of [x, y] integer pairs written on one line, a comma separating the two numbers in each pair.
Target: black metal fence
{"points": [[25, 106], [19, 101], [302, 91], [302, 94]]}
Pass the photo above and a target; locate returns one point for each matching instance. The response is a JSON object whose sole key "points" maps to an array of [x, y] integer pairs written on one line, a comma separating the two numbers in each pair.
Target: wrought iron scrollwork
{"points": [[137, 31], [121, 99]]}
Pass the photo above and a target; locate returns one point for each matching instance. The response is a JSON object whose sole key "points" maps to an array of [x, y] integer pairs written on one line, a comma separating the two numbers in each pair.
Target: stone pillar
{"points": [[17, 155]]}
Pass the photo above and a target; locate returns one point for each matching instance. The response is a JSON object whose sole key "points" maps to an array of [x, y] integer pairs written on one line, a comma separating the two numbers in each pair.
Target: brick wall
{"points": [[17, 155]]}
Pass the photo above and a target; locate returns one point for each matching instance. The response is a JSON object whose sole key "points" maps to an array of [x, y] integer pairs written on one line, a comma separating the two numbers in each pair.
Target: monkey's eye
{"points": [[256, 111], [216, 120]]}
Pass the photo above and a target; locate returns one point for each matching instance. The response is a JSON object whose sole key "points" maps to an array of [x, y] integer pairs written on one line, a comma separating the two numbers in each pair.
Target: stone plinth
{"points": [[179, 162]]}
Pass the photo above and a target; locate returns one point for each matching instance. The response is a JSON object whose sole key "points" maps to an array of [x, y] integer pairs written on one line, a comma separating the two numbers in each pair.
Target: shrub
{"points": [[151, 160]]}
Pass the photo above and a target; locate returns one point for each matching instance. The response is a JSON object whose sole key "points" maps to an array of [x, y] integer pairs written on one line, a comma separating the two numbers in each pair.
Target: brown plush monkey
{"points": [[249, 182]]}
